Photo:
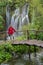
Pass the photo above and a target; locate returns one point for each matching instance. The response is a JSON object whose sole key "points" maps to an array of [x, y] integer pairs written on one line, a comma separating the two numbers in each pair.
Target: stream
{"points": [[24, 59]]}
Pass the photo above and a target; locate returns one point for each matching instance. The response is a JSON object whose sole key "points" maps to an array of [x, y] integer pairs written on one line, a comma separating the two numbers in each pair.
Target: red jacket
{"points": [[11, 30]]}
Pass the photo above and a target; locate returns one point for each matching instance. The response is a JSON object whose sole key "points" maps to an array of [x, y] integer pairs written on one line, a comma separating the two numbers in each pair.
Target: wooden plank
{"points": [[30, 42], [26, 42]]}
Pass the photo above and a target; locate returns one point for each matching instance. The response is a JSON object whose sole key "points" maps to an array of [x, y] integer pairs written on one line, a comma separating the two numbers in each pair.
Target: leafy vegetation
{"points": [[23, 37], [2, 23], [5, 52], [7, 49]]}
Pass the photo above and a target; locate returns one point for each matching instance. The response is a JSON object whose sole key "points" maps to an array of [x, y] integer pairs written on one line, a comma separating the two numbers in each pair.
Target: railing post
{"points": [[36, 34], [27, 34], [35, 50]]}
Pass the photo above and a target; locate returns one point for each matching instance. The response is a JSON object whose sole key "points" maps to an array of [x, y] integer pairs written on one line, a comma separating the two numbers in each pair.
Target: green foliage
{"points": [[36, 11], [4, 56], [8, 47], [40, 36], [32, 34], [20, 49], [5, 52], [17, 3], [21, 38], [2, 22]]}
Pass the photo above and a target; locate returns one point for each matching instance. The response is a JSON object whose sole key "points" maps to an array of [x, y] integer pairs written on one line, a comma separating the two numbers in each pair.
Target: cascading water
{"points": [[15, 21], [25, 18], [7, 16], [8, 19], [18, 19]]}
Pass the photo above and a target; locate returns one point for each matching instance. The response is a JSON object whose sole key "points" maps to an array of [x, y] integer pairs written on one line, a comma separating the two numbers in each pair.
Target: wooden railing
{"points": [[4, 33]]}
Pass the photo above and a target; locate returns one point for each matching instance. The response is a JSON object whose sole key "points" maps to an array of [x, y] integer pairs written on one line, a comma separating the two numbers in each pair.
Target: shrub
{"points": [[5, 52], [2, 22]]}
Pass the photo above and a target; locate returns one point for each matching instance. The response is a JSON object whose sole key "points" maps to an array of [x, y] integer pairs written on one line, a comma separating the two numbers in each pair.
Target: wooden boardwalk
{"points": [[29, 42], [38, 43]]}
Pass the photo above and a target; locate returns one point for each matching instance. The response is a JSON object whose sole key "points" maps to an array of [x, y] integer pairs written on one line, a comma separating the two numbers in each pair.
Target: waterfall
{"points": [[25, 18], [14, 19], [7, 16], [18, 19]]}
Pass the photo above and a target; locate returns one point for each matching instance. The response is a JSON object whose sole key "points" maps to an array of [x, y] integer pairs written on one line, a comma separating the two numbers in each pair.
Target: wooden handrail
{"points": [[26, 31], [23, 31]]}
